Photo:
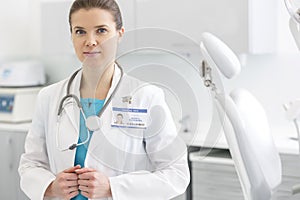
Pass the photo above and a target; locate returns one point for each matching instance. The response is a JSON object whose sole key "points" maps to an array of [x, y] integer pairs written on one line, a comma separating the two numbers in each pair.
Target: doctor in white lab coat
{"points": [[142, 158]]}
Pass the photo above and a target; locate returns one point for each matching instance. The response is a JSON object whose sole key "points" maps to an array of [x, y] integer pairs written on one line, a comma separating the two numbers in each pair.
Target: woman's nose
{"points": [[91, 41]]}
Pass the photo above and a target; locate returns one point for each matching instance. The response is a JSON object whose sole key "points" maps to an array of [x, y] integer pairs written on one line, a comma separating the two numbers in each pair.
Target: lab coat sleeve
{"points": [[168, 155], [34, 165]]}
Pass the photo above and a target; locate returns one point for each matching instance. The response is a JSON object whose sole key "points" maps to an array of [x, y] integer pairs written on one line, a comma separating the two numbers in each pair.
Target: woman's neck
{"points": [[95, 83]]}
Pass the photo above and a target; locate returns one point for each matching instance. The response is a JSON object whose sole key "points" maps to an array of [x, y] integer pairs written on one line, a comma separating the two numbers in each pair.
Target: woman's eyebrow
{"points": [[101, 26], [78, 27], [98, 26]]}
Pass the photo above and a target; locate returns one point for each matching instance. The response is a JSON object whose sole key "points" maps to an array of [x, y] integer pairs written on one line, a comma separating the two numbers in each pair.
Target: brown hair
{"points": [[109, 5]]}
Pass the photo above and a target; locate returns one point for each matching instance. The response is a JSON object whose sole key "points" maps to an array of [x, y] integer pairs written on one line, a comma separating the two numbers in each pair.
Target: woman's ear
{"points": [[121, 33]]}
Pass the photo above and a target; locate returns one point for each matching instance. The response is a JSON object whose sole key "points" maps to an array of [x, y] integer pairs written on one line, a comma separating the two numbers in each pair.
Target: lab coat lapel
{"points": [[74, 109], [72, 112], [69, 128], [107, 113], [116, 78]]}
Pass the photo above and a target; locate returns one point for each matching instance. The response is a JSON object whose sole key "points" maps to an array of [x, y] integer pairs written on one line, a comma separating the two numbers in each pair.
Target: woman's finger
{"points": [[84, 182], [72, 183], [72, 169], [84, 170]]}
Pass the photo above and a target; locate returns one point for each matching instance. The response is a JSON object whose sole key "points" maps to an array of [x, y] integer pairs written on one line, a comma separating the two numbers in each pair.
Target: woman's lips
{"points": [[92, 54]]}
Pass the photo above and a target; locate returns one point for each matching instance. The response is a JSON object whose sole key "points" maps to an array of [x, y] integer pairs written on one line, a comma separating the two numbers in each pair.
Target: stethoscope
{"points": [[91, 122]]}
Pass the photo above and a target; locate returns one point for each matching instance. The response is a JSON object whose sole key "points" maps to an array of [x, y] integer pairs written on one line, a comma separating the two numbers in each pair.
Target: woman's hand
{"points": [[93, 184], [65, 184]]}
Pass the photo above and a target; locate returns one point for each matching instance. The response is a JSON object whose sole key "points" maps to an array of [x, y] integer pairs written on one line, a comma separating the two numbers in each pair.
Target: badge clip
{"points": [[127, 99]]}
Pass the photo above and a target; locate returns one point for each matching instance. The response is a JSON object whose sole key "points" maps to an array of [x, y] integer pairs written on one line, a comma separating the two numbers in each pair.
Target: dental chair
{"points": [[245, 125], [293, 114], [293, 109]]}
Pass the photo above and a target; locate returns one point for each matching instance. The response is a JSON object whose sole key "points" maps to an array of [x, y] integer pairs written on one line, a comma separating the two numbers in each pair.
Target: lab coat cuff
{"points": [[46, 185], [114, 187], [35, 188]]}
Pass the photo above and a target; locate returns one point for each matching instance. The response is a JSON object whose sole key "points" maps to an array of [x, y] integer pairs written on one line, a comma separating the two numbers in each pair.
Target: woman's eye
{"points": [[79, 32], [101, 30]]}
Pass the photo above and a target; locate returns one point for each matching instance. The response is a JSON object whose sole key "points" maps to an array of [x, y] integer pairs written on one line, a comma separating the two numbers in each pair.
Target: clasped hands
{"points": [[90, 182]]}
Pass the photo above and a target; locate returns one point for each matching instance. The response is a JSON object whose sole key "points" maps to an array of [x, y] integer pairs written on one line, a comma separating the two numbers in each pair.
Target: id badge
{"points": [[129, 118]]}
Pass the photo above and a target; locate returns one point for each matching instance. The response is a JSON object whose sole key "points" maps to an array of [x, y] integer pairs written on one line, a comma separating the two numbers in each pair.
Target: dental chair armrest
{"points": [[296, 189]]}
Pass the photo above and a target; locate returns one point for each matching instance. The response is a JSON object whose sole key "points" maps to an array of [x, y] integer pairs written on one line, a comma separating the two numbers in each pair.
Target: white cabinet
{"points": [[247, 26], [12, 146], [291, 176], [227, 19], [215, 178]]}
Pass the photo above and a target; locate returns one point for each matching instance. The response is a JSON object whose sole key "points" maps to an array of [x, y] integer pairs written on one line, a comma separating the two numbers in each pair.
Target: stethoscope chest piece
{"points": [[93, 123]]}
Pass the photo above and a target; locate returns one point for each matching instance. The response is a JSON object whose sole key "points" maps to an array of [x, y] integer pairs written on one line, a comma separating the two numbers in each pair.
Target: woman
{"points": [[71, 160]]}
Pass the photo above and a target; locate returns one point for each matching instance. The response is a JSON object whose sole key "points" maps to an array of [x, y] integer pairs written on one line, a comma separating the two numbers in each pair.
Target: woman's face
{"points": [[94, 34]]}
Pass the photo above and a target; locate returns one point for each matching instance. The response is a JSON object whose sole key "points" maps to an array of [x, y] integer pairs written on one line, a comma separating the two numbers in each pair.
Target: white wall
{"points": [[56, 47], [274, 80], [227, 19], [19, 35], [285, 42], [262, 18]]}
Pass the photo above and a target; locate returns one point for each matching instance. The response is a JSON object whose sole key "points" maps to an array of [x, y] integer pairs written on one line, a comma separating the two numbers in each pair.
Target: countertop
{"points": [[286, 143], [15, 127]]}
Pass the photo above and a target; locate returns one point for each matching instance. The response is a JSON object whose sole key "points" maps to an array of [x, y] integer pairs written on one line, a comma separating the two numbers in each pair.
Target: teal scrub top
{"points": [[90, 107]]}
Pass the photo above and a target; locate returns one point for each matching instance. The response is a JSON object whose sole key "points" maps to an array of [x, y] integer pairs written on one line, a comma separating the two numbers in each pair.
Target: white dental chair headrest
{"points": [[219, 55]]}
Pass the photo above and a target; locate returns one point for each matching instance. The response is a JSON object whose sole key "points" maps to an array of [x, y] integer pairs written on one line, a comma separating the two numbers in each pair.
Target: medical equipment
{"points": [[26, 73], [245, 126], [91, 122], [20, 82], [293, 113], [293, 7], [292, 110], [17, 104]]}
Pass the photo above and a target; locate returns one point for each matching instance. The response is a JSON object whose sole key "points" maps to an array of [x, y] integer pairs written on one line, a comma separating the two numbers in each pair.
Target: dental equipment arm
{"points": [[295, 30], [293, 113]]}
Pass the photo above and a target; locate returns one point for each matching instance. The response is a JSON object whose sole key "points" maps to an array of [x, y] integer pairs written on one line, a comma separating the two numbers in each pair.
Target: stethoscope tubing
{"points": [[74, 97]]}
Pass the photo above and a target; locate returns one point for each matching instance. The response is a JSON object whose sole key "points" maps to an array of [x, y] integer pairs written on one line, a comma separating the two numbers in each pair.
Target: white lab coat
{"points": [[140, 167]]}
